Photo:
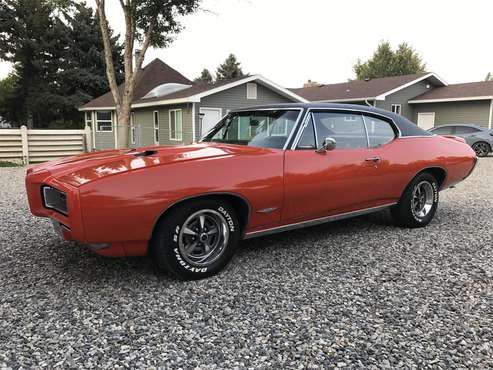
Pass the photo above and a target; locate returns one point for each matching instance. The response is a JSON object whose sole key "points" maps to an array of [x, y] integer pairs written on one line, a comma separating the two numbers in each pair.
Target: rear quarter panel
{"points": [[405, 157], [125, 207]]}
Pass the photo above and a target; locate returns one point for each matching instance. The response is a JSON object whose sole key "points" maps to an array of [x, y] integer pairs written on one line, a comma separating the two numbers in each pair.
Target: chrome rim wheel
{"points": [[481, 149], [203, 237], [422, 200]]}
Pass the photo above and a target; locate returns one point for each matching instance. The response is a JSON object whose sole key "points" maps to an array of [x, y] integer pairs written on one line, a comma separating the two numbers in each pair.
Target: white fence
{"points": [[32, 146]]}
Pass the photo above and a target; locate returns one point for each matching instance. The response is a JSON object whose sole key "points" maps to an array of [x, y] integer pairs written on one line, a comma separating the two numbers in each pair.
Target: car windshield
{"points": [[261, 128]]}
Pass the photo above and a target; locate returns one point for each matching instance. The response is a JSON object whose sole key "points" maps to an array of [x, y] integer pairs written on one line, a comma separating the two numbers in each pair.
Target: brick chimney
{"points": [[137, 54], [311, 83]]}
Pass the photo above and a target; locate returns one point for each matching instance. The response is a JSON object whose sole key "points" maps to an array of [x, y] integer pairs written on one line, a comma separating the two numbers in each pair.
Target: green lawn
{"points": [[9, 164]]}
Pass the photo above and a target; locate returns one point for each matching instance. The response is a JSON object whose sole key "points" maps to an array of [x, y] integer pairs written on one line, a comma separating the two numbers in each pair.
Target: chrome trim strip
{"points": [[300, 132], [366, 131], [417, 136], [317, 221], [267, 210], [314, 131], [295, 126]]}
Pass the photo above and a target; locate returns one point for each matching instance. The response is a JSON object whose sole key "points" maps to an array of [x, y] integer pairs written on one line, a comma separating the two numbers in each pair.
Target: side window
{"points": [[465, 130], [347, 129], [307, 139], [380, 132]]}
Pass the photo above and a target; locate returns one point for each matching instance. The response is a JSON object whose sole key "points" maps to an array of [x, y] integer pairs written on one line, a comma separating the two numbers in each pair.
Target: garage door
{"points": [[426, 120], [209, 118]]}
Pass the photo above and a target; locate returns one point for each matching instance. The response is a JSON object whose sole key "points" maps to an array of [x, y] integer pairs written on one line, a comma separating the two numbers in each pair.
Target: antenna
{"points": [[368, 103]]}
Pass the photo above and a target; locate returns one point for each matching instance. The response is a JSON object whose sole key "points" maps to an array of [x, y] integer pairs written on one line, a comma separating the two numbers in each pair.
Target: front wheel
{"points": [[481, 148], [418, 203], [197, 239]]}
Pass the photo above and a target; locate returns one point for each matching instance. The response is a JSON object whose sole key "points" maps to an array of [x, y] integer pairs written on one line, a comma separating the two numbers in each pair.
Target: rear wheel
{"points": [[481, 148], [197, 239], [418, 203]]}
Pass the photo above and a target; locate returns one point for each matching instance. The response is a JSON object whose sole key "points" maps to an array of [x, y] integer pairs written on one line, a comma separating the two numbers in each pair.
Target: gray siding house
{"points": [[169, 109], [423, 98]]}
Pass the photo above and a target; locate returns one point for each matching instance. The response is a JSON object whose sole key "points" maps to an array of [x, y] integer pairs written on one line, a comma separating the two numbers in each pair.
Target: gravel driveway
{"points": [[355, 294]]}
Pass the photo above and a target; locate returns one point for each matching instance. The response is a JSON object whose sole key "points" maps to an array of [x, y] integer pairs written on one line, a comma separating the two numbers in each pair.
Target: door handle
{"points": [[374, 159]]}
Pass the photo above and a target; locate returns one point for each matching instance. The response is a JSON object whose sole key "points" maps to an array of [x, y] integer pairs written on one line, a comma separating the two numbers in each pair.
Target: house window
{"points": [[350, 118], [156, 126], [103, 121], [88, 118], [279, 127], [132, 128], [251, 90], [175, 125], [396, 108]]}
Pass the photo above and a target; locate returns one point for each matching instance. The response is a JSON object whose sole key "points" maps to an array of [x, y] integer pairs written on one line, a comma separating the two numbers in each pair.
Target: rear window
{"points": [[446, 130]]}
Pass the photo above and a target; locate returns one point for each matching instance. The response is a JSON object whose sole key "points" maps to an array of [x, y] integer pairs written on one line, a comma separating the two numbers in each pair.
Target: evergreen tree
{"points": [[7, 99], [489, 77], [229, 70], [82, 75], [205, 77], [54, 47], [386, 62]]}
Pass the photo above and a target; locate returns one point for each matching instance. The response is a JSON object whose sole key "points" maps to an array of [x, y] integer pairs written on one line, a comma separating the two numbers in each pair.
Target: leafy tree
{"points": [[386, 62], [489, 77], [205, 77], [230, 69], [150, 23]]}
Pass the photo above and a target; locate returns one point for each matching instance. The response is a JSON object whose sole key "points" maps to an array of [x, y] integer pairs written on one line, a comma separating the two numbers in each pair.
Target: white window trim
{"points": [[154, 127], [490, 123], [252, 94], [284, 133], [88, 121], [399, 106], [110, 121], [132, 128], [181, 132]]}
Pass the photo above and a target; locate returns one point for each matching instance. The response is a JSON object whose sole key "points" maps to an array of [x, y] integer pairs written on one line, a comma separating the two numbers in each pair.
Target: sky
{"points": [[291, 41]]}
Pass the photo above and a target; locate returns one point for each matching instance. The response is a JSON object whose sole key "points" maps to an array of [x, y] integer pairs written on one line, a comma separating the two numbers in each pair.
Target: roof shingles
{"points": [[353, 90], [482, 89], [154, 74]]}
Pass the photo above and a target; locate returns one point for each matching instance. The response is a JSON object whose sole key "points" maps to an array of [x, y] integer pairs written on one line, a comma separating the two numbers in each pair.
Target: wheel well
{"points": [[439, 173], [240, 205]]}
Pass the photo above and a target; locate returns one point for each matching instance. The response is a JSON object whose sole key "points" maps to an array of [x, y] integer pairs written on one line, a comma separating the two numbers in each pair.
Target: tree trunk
{"points": [[123, 117], [123, 99]]}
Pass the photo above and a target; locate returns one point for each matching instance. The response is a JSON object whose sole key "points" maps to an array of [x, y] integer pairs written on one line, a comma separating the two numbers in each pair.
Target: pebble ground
{"points": [[353, 294]]}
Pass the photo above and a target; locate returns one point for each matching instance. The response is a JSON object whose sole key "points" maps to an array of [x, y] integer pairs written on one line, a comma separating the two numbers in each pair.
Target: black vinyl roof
{"points": [[406, 127]]}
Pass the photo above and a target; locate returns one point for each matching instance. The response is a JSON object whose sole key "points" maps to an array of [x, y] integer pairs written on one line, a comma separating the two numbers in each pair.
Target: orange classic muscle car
{"points": [[258, 171]]}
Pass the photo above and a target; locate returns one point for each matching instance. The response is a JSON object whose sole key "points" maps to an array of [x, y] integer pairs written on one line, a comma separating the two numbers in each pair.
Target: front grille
{"points": [[54, 199]]}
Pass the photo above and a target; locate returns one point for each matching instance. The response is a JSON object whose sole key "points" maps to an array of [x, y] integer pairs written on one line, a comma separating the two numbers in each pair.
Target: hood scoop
{"points": [[145, 153]]}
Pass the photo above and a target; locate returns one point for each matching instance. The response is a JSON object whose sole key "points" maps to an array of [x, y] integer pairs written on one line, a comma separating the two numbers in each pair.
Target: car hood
{"points": [[81, 169]]}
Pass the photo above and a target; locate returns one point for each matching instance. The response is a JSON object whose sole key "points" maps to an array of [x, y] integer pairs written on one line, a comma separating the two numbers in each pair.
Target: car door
{"points": [[387, 183], [319, 183]]}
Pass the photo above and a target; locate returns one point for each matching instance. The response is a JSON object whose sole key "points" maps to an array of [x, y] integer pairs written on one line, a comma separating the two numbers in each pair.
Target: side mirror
{"points": [[327, 145]]}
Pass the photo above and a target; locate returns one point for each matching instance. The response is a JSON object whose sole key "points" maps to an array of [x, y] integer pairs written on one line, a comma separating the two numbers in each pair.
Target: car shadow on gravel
{"points": [[71, 261]]}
